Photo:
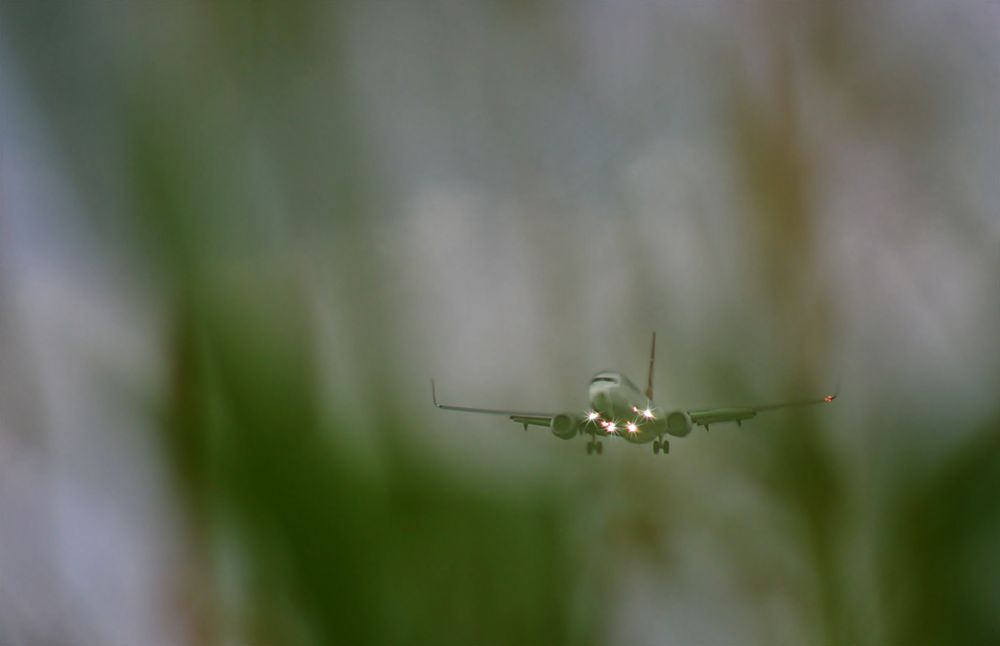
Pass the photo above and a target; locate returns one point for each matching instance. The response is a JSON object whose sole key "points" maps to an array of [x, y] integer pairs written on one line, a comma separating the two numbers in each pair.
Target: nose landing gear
{"points": [[661, 446], [594, 446]]}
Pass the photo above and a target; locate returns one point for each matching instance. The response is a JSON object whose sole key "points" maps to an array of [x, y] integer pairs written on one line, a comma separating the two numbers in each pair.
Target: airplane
{"points": [[619, 409]]}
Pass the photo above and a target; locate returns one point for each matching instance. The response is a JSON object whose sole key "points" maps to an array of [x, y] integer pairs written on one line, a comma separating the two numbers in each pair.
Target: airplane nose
{"points": [[602, 401]]}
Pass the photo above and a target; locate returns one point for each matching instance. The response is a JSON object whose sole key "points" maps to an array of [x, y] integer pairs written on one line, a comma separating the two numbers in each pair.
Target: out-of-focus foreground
{"points": [[237, 238]]}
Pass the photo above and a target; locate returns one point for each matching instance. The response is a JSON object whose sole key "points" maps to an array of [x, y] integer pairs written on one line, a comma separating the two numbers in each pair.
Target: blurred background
{"points": [[237, 238]]}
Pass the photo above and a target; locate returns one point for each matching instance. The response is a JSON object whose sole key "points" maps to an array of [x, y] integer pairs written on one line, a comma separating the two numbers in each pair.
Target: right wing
{"points": [[709, 416], [535, 419]]}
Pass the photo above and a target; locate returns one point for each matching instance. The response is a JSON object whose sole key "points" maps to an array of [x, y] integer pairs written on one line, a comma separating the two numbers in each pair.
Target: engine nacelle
{"points": [[678, 423], [564, 426]]}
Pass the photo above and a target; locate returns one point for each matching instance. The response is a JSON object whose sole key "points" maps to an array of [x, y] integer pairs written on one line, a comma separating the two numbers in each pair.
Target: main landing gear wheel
{"points": [[656, 446], [659, 446], [594, 447], [600, 448]]}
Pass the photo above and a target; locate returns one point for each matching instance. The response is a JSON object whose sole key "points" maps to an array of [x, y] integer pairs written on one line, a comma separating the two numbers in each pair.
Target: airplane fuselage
{"points": [[622, 410]]}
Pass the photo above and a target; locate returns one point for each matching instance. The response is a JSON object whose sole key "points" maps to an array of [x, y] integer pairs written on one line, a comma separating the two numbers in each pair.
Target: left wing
{"points": [[709, 416], [521, 417]]}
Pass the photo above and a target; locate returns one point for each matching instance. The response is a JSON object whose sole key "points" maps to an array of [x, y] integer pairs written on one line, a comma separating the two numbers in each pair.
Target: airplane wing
{"points": [[708, 416], [521, 417]]}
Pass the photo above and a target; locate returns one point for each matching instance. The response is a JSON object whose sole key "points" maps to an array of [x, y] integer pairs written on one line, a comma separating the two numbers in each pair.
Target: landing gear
{"points": [[661, 446], [656, 446], [594, 445]]}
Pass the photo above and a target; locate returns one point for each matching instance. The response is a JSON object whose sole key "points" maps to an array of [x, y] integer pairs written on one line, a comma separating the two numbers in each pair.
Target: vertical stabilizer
{"points": [[649, 381]]}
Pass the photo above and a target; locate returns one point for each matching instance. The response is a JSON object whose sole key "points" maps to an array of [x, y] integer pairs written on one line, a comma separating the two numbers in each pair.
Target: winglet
{"points": [[836, 393], [434, 394]]}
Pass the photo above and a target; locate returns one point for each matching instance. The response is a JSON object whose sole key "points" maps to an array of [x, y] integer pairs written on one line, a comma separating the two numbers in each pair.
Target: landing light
{"points": [[611, 427], [829, 398], [632, 428], [648, 414], [592, 415]]}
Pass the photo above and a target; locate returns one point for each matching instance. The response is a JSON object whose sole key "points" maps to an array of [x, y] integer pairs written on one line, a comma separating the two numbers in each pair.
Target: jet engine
{"points": [[678, 423], [564, 426]]}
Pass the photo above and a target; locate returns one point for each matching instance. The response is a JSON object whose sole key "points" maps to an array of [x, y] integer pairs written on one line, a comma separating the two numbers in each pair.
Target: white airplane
{"points": [[619, 409]]}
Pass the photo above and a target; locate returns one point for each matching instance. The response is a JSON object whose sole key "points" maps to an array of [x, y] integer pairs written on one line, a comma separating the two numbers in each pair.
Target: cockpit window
{"points": [[602, 378]]}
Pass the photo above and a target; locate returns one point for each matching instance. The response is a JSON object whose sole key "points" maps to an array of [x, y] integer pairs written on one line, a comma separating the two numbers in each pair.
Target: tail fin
{"points": [[649, 381]]}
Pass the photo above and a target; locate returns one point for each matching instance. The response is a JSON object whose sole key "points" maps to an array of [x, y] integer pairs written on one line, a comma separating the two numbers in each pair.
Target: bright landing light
{"points": [[632, 428], [648, 414], [611, 427], [592, 415]]}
